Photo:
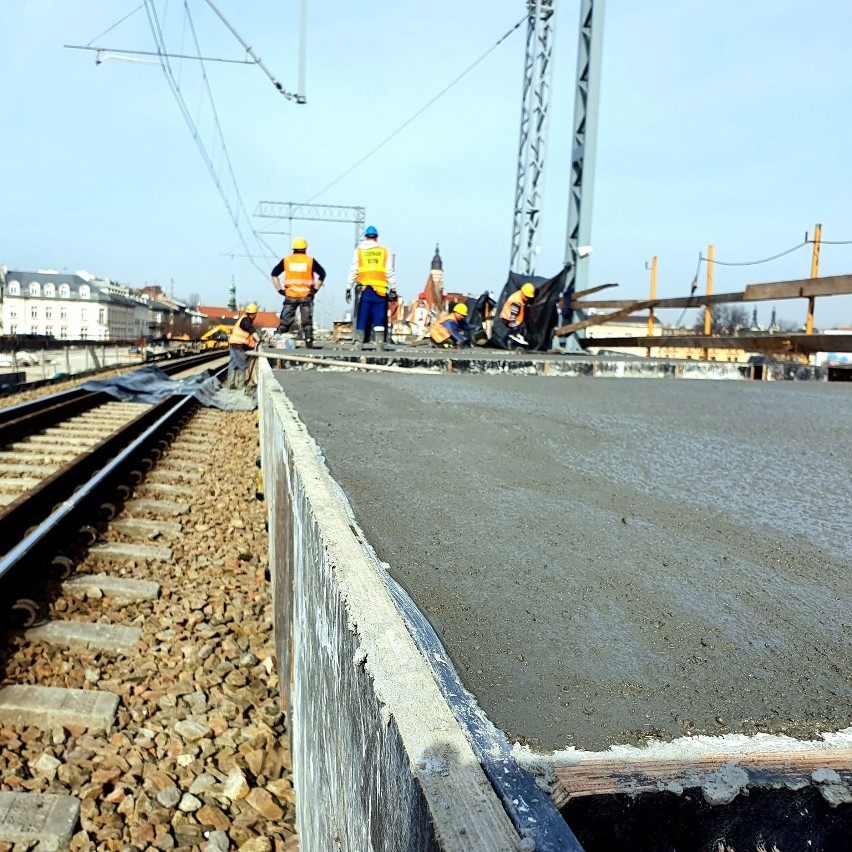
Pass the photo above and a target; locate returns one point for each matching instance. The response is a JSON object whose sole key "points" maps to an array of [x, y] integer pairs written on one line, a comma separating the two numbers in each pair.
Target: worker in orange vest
{"points": [[372, 271], [244, 336], [303, 278], [512, 313], [451, 331]]}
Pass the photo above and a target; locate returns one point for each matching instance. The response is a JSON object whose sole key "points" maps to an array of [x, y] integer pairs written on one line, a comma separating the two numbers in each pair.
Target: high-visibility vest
{"points": [[440, 333], [372, 268], [239, 336], [514, 316], [298, 275]]}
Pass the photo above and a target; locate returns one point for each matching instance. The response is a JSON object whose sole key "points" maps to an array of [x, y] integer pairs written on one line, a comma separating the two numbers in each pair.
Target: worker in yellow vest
{"points": [[372, 271], [244, 336], [451, 331], [512, 314], [303, 278]]}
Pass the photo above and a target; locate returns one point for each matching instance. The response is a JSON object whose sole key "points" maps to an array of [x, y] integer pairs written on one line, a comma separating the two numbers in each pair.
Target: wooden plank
{"points": [[831, 285], [583, 293], [275, 355], [600, 320], [696, 301], [805, 344], [608, 775]]}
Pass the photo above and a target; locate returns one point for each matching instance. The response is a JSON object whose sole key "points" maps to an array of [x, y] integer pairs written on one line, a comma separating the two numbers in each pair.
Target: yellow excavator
{"points": [[216, 337]]}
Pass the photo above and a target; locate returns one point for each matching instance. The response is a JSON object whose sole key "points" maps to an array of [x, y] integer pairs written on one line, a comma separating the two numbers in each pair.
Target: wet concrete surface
{"points": [[611, 560]]}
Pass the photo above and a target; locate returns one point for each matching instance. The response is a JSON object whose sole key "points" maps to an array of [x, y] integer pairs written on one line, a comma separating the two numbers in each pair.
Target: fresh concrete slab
{"points": [[46, 819], [611, 561], [47, 707], [77, 634], [119, 588]]}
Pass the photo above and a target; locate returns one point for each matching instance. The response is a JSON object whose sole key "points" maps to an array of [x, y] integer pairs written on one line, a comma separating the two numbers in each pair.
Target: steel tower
{"points": [[584, 144], [535, 103]]}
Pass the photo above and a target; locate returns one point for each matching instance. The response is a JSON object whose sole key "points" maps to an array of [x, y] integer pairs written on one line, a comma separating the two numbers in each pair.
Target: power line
{"points": [[419, 112], [756, 262], [129, 14], [237, 208]]}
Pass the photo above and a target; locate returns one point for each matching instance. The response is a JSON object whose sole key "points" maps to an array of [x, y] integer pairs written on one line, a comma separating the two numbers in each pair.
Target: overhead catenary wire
{"points": [[235, 209], [419, 112]]}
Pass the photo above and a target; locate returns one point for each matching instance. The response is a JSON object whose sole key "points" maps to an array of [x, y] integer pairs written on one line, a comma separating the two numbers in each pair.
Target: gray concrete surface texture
{"points": [[379, 761], [611, 561]]}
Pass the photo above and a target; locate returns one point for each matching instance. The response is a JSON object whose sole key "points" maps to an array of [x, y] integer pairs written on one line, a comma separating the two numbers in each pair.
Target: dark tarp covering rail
{"points": [[540, 318], [150, 384]]}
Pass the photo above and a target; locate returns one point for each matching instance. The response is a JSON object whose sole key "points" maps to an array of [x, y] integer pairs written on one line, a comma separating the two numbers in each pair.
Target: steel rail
{"points": [[20, 420], [52, 514], [172, 365]]}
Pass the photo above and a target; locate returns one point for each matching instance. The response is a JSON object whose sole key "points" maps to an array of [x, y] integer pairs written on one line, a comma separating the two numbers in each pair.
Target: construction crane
{"points": [[535, 107]]}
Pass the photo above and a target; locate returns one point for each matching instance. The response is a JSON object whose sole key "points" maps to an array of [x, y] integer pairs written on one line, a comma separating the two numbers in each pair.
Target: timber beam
{"points": [[804, 344]]}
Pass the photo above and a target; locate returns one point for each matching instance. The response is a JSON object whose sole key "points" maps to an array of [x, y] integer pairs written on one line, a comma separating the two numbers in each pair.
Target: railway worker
{"points": [[451, 331], [512, 313], [243, 337], [303, 278], [372, 271]]}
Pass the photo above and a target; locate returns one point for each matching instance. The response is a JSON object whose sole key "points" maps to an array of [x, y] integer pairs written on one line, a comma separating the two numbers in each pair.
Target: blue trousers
{"points": [[372, 310]]}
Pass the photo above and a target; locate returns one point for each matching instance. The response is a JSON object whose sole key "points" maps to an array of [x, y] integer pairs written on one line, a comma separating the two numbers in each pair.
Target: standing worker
{"points": [[243, 337], [512, 314], [303, 277], [451, 329], [371, 270]]}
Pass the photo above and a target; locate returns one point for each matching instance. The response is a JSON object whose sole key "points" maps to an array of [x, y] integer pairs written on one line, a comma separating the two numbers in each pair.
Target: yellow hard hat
{"points": [[460, 308], [251, 308], [299, 243], [528, 290]]}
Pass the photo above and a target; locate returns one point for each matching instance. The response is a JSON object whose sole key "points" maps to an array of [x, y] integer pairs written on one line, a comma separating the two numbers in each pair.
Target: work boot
{"points": [[309, 343]]}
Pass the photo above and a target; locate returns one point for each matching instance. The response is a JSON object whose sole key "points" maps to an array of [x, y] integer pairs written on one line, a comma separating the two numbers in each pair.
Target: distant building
{"points": [[219, 315], [70, 307]]}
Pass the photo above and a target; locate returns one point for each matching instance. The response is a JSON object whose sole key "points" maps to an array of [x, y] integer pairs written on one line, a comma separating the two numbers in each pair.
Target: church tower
{"points": [[434, 288]]}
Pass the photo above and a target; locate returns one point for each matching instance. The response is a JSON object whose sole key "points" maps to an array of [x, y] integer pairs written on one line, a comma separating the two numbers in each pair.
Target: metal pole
{"points": [[809, 323], [301, 95], [652, 297], [708, 311], [535, 107], [584, 144]]}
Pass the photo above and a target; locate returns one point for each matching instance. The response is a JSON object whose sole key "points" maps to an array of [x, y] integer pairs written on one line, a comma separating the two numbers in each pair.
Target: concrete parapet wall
{"points": [[379, 760]]}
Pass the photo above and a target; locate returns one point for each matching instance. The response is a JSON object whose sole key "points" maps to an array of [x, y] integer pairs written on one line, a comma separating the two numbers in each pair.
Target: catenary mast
{"points": [[535, 104]]}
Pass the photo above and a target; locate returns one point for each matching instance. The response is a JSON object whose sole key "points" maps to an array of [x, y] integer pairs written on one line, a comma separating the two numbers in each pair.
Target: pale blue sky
{"points": [[722, 122]]}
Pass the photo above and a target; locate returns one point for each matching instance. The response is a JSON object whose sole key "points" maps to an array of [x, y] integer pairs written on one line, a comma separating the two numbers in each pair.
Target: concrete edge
{"points": [[464, 809]]}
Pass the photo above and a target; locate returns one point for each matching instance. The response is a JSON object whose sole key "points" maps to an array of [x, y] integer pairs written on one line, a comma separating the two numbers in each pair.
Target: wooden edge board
{"points": [[611, 775], [332, 362]]}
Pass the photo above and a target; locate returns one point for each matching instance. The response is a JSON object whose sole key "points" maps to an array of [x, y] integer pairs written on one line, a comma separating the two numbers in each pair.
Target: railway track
{"points": [[138, 701]]}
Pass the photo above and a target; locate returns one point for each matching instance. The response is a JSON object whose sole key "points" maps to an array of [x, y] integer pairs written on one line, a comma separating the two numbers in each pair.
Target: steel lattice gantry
{"points": [[584, 143], [313, 212], [535, 103]]}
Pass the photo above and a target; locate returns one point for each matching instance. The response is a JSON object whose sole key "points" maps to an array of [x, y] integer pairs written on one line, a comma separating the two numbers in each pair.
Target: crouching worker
{"points": [[243, 337], [512, 315], [451, 330]]}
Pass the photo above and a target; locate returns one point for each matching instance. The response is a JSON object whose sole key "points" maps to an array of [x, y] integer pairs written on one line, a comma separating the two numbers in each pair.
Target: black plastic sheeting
{"points": [[150, 385], [540, 318]]}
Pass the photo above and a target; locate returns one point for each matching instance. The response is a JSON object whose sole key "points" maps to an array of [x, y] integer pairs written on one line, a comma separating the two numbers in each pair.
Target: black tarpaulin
{"points": [[150, 384], [540, 318]]}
